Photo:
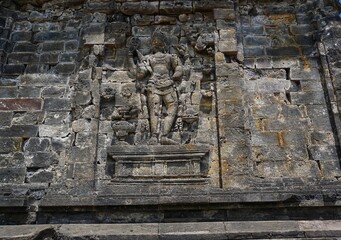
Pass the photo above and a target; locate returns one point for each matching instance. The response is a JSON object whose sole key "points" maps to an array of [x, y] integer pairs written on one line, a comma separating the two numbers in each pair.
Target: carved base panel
{"points": [[164, 163]]}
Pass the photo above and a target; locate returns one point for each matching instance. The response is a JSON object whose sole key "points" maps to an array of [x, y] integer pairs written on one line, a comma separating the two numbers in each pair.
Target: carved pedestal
{"points": [[158, 163]]}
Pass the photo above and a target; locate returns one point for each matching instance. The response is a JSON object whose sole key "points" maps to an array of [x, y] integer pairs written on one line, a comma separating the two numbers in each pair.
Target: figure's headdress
{"points": [[159, 40]]}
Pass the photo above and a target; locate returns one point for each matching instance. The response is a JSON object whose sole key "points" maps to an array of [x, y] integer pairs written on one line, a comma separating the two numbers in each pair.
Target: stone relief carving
{"points": [[160, 70], [157, 101], [161, 94]]}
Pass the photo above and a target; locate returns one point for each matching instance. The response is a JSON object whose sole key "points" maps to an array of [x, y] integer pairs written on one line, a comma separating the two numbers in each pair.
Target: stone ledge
{"points": [[170, 231]]}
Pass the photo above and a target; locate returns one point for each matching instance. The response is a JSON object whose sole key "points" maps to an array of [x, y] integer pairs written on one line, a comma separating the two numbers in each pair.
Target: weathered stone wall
{"points": [[257, 119]]}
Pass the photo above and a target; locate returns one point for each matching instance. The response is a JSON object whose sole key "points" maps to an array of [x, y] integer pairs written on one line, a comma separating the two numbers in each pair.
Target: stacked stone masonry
{"points": [[110, 104]]}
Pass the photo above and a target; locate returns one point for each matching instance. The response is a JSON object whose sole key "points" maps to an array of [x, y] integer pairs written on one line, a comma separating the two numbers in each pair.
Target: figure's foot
{"points": [[153, 141], [168, 141]]}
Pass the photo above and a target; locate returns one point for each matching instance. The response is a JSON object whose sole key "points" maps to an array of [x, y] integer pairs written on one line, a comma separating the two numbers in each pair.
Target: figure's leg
{"points": [[154, 102], [171, 103]]}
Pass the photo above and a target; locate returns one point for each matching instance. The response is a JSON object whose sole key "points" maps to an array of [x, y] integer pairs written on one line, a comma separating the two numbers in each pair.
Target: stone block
{"points": [[230, 93], [25, 47], [268, 85], [12, 175], [265, 111], [292, 112], [245, 230], [81, 125], [301, 29], [263, 63], [322, 138], [233, 135], [224, 14], [228, 47], [82, 171], [304, 74], [265, 138], [85, 75], [272, 169], [29, 92], [254, 30], [61, 146], [20, 104], [293, 138], [54, 130], [284, 62], [149, 231], [35, 144], [142, 31], [24, 131], [304, 40], [5, 47], [54, 36], [279, 153], [282, 51], [206, 5], [86, 139], [32, 118], [45, 26], [103, 6], [92, 39], [8, 145], [131, 8], [231, 115], [176, 7], [323, 153], [227, 41], [8, 92], [23, 58], [254, 52], [57, 104], [36, 68], [57, 118], [54, 92], [13, 159], [68, 57], [256, 41], [65, 68], [79, 154], [172, 231], [71, 45], [22, 26], [13, 69], [52, 46], [309, 98], [311, 86], [82, 98], [49, 58], [330, 169], [292, 124], [161, 19], [21, 36], [94, 28], [41, 176], [42, 80], [6, 118], [40, 159], [141, 20], [118, 40], [230, 70]]}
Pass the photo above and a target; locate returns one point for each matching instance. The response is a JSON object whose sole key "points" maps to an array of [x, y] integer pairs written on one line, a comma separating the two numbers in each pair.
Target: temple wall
{"points": [[253, 117]]}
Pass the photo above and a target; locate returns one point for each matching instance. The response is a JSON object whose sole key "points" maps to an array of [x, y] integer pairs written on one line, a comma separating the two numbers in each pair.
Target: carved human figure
{"points": [[162, 70]]}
